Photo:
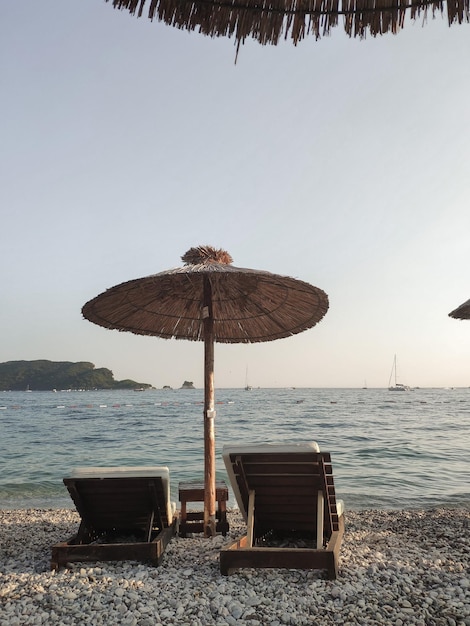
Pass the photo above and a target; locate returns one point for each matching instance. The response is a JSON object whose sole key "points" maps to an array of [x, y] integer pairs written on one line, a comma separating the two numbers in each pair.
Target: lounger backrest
{"points": [[286, 481], [121, 498]]}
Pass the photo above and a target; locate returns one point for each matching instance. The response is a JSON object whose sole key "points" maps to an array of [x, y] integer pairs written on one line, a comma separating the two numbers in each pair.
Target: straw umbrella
{"points": [[210, 300], [269, 21], [462, 312]]}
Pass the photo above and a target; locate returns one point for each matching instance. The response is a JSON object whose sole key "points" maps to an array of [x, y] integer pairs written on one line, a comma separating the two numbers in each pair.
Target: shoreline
{"points": [[396, 567]]}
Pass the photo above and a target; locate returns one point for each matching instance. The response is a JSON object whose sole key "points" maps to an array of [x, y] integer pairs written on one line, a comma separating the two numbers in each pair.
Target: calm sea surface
{"points": [[389, 449]]}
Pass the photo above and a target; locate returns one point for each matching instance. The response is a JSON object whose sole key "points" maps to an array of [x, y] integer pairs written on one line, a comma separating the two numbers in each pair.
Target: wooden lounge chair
{"points": [[284, 491], [126, 514]]}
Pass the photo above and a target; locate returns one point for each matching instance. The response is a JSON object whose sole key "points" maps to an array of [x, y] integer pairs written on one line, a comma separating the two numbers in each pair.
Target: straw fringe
{"points": [[268, 21], [246, 309]]}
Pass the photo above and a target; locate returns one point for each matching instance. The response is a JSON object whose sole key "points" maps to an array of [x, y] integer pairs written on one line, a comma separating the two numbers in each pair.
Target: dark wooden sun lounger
{"points": [[125, 513], [284, 491]]}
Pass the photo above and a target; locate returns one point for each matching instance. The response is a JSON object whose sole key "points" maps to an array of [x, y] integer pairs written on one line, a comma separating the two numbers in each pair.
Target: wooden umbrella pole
{"points": [[209, 414]]}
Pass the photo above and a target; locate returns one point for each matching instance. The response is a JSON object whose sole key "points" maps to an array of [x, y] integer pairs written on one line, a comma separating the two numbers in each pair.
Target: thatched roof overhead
{"points": [[462, 312], [268, 21], [247, 306]]}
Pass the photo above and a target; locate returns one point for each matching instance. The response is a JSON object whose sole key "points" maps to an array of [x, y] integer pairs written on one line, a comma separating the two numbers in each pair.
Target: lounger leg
{"points": [[251, 518], [320, 517], [182, 524], [223, 517], [150, 526]]}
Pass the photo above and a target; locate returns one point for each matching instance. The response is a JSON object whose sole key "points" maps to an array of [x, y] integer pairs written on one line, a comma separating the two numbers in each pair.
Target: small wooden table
{"points": [[193, 521]]}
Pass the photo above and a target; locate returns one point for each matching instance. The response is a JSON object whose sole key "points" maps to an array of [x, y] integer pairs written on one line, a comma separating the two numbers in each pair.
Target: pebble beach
{"points": [[397, 567]]}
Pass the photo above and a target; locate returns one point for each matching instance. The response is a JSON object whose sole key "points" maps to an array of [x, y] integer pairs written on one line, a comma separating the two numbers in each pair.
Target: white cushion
{"points": [[152, 471], [340, 507]]}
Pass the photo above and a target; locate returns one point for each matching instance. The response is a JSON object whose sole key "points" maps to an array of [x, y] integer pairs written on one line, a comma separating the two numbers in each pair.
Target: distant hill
{"points": [[48, 375]]}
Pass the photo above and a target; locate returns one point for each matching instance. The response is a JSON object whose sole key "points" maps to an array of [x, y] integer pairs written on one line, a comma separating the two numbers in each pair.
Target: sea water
{"points": [[389, 449]]}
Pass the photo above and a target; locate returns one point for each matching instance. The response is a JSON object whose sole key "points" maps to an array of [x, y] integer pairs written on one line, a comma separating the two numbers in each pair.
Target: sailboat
{"points": [[247, 386], [396, 386]]}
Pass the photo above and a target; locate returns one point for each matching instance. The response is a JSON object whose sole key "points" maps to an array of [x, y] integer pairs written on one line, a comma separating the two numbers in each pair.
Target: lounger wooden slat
{"points": [[295, 458], [286, 469], [122, 502], [284, 490]]}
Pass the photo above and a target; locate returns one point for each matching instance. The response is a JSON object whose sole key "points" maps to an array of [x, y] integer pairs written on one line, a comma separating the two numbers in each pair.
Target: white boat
{"points": [[393, 373], [247, 386]]}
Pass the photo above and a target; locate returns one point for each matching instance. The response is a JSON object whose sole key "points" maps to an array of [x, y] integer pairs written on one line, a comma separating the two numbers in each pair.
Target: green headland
{"points": [[56, 375]]}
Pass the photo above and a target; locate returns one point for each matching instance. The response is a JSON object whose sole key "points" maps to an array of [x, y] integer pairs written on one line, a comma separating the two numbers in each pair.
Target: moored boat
{"points": [[393, 373]]}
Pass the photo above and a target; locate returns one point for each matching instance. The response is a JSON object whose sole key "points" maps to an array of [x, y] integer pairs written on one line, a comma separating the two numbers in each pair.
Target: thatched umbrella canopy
{"points": [[210, 300], [268, 21], [462, 312]]}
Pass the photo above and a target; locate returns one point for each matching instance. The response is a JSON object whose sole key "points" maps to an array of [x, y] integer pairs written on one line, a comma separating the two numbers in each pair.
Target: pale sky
{"points": [[343, 163]]}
